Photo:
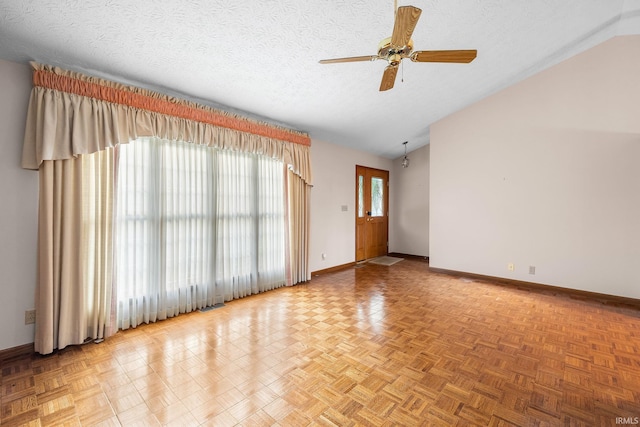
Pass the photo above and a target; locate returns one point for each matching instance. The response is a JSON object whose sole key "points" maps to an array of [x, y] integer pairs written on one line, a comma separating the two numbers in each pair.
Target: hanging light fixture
{"points": [[405, 161]]}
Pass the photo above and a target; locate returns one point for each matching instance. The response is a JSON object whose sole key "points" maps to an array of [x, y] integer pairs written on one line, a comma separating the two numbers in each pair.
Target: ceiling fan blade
{"points": [[349, 59], [406, 20], [389, 77], [459, 56]]}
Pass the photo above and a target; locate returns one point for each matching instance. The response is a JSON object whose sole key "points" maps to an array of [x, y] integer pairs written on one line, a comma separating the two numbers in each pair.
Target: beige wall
{"points": [[333, 230], [546, 173], [18, 211], [409, 229]]}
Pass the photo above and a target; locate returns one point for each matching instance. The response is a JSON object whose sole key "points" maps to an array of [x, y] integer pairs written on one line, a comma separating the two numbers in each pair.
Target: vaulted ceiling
{"points": [[261, 57]]}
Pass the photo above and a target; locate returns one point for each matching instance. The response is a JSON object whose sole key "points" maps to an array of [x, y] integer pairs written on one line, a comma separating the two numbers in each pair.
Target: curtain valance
{"points": [[71, 113]]}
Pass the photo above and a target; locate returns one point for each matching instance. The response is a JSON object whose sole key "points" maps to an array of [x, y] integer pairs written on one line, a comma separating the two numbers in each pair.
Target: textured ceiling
{"points": [[262, 56]]}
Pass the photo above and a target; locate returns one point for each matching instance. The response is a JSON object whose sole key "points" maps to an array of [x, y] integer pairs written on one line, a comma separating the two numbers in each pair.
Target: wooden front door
{"points": [[372, 212]]}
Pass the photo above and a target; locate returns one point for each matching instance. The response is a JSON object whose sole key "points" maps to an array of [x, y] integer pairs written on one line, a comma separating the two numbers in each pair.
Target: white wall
{"points": [[18, 211], [409, 229], [546, 173], [334, 174]]}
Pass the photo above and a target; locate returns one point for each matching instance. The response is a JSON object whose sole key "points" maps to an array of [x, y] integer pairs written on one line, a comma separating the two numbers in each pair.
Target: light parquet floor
{"points": [[370, 346]]}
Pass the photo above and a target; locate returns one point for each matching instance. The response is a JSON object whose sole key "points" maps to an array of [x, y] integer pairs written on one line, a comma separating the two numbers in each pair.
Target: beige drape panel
{"points": [[298, 229], [71, 115], [74, 289], [98, 181]]}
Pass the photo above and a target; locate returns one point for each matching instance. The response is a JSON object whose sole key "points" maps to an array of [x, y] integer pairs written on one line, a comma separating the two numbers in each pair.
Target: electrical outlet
{"points": [[532, 269], [29, 317], [511, 267]]}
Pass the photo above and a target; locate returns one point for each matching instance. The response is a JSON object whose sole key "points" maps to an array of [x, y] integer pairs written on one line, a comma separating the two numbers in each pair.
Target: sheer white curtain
{"points": [[250, 224], [195, 226]]}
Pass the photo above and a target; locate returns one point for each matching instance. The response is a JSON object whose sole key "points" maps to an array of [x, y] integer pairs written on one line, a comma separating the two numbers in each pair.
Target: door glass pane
{"points": [[377, 199], [360, 196]]}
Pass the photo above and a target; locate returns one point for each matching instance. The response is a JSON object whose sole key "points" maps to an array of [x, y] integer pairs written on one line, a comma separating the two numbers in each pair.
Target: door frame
{"points": [[358, 170]]}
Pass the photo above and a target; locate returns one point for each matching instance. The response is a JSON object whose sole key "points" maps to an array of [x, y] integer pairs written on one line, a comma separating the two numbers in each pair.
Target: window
{"points": [[377, 196], [195, 226]]}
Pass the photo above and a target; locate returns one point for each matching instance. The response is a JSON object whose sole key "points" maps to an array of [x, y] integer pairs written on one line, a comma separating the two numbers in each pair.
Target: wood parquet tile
{"points": [[367, 346]]}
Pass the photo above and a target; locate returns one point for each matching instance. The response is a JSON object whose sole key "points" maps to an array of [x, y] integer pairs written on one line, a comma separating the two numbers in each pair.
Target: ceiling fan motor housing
{"points": [[394, 54]]}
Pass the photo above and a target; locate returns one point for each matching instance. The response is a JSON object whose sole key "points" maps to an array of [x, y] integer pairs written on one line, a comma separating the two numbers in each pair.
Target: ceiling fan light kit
{"points": [[400, 46]]}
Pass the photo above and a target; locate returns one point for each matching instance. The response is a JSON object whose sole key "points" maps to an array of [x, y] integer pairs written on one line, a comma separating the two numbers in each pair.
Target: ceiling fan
{"points": [[400, 46]]}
